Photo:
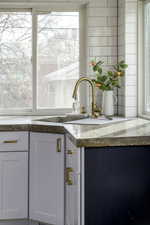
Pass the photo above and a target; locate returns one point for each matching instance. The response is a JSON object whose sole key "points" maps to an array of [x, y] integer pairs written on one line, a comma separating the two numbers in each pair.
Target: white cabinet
{"points": [[72, 187], [13, 185], [13, 141], [47, 178], [13, 175]]}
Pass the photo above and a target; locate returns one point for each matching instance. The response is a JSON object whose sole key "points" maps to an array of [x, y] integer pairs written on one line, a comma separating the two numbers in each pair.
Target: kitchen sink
{"points": [[81, 119], [97, 121], [62, 119]]}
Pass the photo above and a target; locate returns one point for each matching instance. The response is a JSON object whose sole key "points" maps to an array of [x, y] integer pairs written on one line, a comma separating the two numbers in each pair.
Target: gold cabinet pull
{"points": [[69, 180], [70, 152], [10, 141], [58, 145]]}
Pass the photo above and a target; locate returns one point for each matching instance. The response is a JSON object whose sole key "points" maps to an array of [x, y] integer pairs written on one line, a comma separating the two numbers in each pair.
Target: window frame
{"points": [[141, 55], [35, 11]]}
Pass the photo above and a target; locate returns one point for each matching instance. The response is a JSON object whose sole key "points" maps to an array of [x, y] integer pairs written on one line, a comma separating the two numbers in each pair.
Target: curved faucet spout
{"points": [[93, 91]]}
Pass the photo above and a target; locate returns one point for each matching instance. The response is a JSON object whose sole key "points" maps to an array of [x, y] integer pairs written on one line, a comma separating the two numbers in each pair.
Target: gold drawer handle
{"points": [[69, 180], [58, 145], [10, 141]]}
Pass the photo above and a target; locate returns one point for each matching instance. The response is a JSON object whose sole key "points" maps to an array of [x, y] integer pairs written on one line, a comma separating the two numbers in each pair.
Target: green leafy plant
{"points": [[108, 80]]}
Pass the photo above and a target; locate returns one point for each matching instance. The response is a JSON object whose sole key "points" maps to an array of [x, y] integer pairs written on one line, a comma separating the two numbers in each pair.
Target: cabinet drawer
{"points": [[13, 141]]}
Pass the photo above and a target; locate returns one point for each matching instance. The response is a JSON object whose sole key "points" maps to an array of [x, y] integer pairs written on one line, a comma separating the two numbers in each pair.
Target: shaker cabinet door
{"points": [[13, 185], [47, 178]]}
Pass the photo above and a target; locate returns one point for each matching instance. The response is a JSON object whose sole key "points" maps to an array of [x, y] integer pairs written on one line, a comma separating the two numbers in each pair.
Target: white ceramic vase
{"points": [[108, 103]]}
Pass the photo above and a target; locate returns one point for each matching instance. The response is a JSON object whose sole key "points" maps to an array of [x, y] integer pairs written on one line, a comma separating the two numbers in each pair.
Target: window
{"points": [[144, 57], [15, 60], [39, 60], [147, 57]]}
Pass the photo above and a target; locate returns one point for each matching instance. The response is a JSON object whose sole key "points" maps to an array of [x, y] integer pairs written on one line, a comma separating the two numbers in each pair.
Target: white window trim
{"points": [[141, 93], [140, 59], [34, 8]]}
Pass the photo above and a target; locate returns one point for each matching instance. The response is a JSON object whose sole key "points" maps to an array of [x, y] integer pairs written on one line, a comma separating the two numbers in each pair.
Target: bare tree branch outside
{"points": [[57, 53]]}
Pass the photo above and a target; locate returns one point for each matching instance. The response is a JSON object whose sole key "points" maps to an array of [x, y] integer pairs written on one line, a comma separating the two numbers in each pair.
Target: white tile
{"points": [[131, 28], [131, 38], [112, 21], [121, 101], [131, 101], [121, 50], [102, 41], [97, 41], [102, 31], [131, 91], [131, 18], [131, 7], [112, 3], [121, 41], [97, 21], [112, 60], [131, 70], [131, 49], [131, 80], [132, 1], [121, 30], [131, 112], [102, 12], [112, 41], [96, 3], [121, 91], [121, 111], [103, 51], [131, 59]]}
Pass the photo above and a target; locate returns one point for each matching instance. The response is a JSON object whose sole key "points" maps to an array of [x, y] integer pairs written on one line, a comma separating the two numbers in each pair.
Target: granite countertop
{"points": [[125, 133], [130, 132], [29, 123]]}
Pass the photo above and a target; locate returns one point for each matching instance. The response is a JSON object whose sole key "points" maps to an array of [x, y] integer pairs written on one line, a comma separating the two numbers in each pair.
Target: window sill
{"points": [[144, 117], [50, 112]]}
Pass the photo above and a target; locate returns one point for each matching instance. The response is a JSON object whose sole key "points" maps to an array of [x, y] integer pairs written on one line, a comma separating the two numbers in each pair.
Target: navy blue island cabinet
{"points": [[117, 185]]}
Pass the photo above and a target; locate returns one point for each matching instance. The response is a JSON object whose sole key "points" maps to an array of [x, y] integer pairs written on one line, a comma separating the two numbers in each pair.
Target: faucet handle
{"points": [[97, 111], [82, 110]]}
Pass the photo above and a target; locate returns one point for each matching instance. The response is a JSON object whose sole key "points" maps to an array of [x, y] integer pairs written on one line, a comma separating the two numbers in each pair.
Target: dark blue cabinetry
{"points": [[117, 186]]}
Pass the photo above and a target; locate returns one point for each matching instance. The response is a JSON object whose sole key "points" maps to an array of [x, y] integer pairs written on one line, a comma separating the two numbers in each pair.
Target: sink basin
{"points": [[62, 119], [97, 121]]}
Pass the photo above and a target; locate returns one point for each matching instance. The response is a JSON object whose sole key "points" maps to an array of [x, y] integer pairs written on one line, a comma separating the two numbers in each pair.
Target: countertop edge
{"points": [[110, 142], [135, 140]]}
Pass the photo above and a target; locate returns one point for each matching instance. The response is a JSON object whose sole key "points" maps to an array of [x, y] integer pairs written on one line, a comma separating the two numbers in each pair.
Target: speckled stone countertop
{"points": [[125, 133], [29, 123]]}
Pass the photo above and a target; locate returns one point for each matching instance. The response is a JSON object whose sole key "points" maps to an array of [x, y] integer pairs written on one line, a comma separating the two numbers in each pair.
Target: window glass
{"points": [[58, 58], [15, 60]]}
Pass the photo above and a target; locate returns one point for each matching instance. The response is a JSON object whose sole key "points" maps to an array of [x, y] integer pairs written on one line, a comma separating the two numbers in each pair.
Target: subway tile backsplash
{"points": [[102, 33], [98, 11], [127, 40]]}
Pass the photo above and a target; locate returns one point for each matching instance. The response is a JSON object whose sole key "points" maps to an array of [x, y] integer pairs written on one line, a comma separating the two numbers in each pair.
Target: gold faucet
{"points": [[95, 111]]}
